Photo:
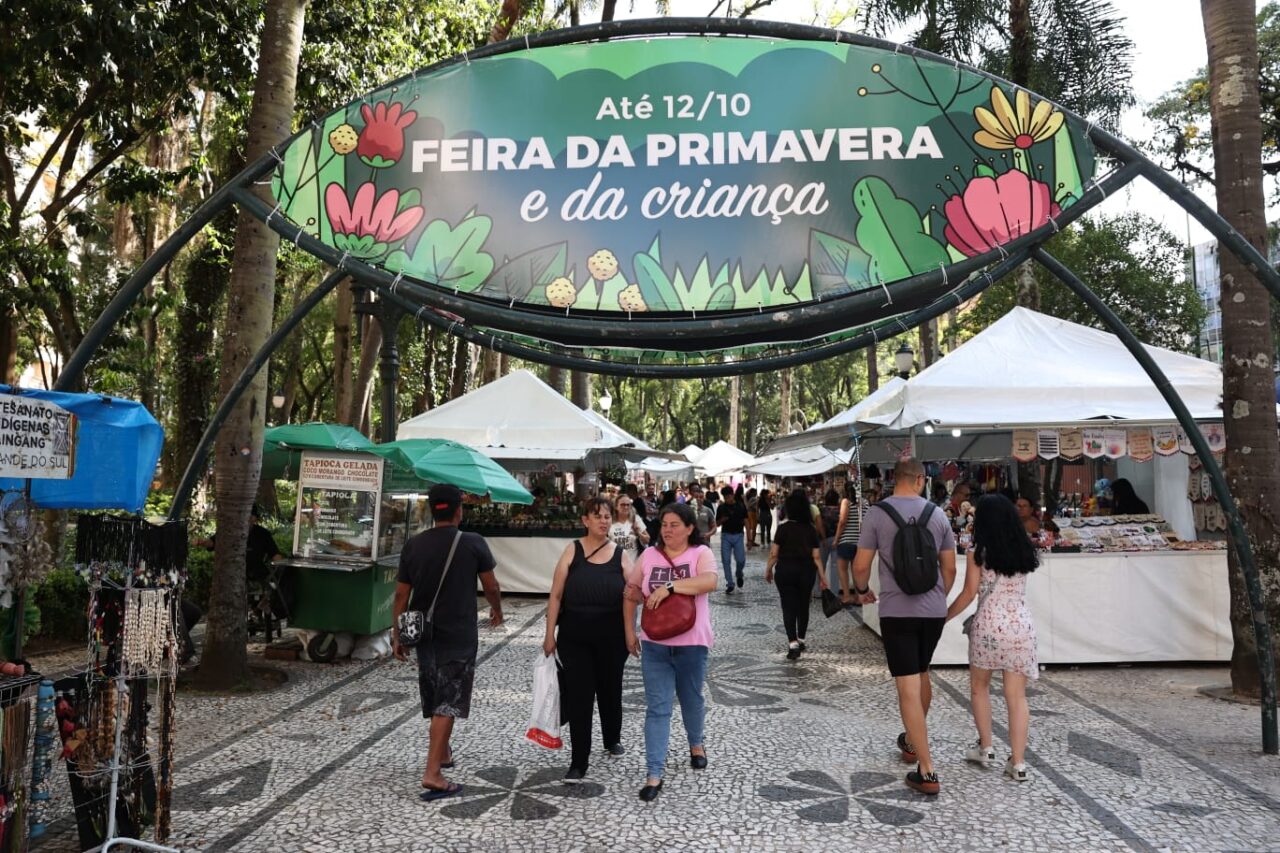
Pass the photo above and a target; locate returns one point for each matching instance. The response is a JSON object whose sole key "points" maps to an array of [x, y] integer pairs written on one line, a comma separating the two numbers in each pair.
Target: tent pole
{"points": [[1239, 536], [182, 496]]}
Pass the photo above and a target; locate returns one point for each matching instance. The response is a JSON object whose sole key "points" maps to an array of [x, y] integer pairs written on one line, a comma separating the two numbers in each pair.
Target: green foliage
{"points": [[1183, 141], [1133, 263], [62, 598], [889, 230], [449, 257]]}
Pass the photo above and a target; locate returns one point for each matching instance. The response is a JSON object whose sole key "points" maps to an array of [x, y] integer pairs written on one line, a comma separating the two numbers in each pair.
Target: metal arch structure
{"points": [[785, 337]]}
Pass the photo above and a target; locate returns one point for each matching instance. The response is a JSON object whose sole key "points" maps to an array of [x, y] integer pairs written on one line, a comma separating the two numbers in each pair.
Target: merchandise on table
{"points": [[1109, 533]]}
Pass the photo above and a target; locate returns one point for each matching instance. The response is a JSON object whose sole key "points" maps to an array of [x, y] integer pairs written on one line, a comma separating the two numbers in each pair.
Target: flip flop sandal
{"points": [[431, 794]]}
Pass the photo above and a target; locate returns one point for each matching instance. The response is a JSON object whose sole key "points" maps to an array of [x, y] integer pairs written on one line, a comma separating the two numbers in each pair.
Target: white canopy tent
{"points": [[802, 462], [520, 420], [664, 469], [692, 452], [722, 458]]}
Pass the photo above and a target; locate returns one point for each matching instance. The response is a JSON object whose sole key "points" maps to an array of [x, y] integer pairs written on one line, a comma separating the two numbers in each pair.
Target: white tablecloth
{"points": [[1113, 608], [526, 563]]}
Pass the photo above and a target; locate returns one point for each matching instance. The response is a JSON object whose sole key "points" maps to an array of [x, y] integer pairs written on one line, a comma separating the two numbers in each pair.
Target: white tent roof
{"points": [[692, 452], [722, 457], [802, 462], [874, 401], [667, 468], [520, 417], [1029, 368]]}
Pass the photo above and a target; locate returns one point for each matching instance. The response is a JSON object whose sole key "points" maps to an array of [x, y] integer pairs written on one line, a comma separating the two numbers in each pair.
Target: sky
{"points": [[1169, 47]]}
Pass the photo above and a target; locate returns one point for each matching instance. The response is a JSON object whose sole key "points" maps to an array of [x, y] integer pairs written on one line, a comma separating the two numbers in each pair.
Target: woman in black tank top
{"points": [[586, 606]]}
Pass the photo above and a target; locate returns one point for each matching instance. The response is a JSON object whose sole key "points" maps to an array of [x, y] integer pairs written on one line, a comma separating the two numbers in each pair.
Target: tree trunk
{"points": [[461, 356], [342, 351], [166, 151], [607, 9], [8, 344], [1021, 57], [508, 15], [291, 361], [224, 662], [753, 407], [784, 397], [581, 389], [1252, 455], [735, 410], [929, 342], [873, 370], [490, 366], [362, 391], [557, 378]]}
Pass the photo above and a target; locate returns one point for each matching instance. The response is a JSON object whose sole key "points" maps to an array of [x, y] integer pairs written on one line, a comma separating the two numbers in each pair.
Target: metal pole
{"points": [[125, 296], [183, 494], [389, 316], [1239, 536]]}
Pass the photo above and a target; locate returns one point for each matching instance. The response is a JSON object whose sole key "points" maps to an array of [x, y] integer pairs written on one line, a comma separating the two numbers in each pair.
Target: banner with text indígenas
{"points": [[37, 439], [682, 173]]}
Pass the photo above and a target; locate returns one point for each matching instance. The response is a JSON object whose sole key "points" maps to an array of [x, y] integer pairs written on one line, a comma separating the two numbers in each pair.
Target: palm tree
{"points": [[1253, 458], [251, 298]]}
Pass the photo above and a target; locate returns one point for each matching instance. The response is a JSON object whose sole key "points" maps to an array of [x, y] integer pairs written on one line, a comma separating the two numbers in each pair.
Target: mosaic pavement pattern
{"points": [[801, 755]]}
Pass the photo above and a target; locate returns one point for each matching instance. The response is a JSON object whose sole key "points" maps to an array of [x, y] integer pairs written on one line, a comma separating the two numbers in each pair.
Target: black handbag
{"points": [[830, 603], [414, 626]]}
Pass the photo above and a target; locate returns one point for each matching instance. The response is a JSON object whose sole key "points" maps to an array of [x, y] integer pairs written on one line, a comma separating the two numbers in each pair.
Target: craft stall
{"points": [[89, 452]]}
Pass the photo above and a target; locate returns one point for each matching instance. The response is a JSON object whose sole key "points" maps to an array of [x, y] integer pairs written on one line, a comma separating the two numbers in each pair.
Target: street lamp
{"points": [[903, 359], [277, 400], [605, 402]]}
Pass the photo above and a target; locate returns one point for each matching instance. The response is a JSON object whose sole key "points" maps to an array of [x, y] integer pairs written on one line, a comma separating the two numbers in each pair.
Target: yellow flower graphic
{"points": [[1006, 126]]}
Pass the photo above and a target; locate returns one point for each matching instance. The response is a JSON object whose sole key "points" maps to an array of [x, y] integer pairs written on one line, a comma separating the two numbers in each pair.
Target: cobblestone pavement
{"points": [[801, 756]]}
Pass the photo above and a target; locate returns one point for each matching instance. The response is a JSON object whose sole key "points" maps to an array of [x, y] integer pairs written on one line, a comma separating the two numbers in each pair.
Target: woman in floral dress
{"points": [[1001, 634]]}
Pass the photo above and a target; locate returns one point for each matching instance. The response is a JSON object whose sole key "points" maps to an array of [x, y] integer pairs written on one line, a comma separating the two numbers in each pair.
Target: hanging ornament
{"points": [[1141, 448], [1165, 439], [1024, 445], [1047, 443], [1071, 443], [1094, 443]]}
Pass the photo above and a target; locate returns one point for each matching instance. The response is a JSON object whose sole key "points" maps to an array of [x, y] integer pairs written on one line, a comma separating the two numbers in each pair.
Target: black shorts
{"points": [[445, 685], [909, 642], [846, 550]]}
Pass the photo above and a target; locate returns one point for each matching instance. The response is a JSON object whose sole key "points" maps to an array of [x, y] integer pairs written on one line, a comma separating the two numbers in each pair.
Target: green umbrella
{"points": [[282, 445], [437, 460]]}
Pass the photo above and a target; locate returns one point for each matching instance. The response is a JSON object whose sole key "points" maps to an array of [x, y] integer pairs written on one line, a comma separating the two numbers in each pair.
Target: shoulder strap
{"points": [[892, 513], [447, 563], [587, 557], [925, 513]]}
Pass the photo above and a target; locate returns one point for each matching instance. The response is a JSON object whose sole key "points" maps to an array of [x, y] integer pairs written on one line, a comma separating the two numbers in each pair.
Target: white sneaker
{"points": [[979, 754], [1016, 772]]}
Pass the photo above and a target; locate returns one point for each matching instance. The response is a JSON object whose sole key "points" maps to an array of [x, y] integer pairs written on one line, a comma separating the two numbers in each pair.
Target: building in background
{"points": [[1206, 275]]}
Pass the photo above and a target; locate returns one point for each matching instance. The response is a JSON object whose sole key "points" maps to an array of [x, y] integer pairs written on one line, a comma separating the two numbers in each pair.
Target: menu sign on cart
{"points": [[339, 498], [37, 439]]}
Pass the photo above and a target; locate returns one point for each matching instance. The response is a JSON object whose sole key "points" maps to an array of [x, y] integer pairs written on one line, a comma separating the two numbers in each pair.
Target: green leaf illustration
{"points": [[525, 277], [450, 257], [837, 266], [722, 299], [889, 230], [655, 286], [1066, 171], [982, 170]]}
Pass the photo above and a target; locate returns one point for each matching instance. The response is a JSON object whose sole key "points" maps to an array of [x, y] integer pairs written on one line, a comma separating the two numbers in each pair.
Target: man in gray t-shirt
{"points": [[910, 625]]}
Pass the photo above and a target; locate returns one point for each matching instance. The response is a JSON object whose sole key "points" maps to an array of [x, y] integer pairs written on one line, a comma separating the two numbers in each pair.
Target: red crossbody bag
{"points": [[675, 615]]}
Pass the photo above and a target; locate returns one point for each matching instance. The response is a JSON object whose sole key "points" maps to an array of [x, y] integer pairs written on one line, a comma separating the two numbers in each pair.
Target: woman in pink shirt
{"points": [[677, 666]]}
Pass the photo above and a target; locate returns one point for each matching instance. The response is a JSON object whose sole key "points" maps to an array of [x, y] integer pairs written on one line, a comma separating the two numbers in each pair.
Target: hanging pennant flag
{"points": [[1047, 443], [1140, 446], [1215, 435], [1094, 443], [1024, 445], [1184, 443], [1070, 443], [1165, 439], [1114, 442]]}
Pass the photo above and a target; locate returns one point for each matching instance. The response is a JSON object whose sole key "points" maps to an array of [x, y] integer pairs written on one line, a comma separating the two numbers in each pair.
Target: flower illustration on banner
{"points": [[992, 211], [366, 226], [1007, 126], [382, 140]]}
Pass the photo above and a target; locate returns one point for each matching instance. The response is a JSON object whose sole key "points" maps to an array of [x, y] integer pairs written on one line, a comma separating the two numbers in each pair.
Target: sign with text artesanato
{"points": [[682, 174], [37, 439]]}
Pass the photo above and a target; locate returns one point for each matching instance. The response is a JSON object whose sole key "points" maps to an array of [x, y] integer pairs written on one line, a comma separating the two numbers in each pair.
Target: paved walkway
{"points": [[801, 759]]}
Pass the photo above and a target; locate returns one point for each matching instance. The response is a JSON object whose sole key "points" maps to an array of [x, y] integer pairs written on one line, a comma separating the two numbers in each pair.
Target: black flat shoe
{"points": [[649, 793], [616, 751], [575, 776], [698, 762]]}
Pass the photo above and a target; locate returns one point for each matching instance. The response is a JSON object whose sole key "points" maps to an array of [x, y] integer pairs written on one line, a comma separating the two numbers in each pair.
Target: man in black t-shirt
{"points": [[446, 661], [731, 519]]}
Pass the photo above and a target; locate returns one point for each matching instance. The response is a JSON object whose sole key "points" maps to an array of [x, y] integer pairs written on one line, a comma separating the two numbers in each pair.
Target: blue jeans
{"points": [[670, 672], [732, 545]]}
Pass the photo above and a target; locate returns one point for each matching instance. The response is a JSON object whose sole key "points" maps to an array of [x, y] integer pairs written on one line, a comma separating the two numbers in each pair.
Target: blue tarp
{"points": [[117, 449]]}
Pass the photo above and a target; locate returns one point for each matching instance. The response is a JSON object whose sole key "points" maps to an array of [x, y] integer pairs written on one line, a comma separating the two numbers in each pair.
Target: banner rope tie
{"points": [[943, 267], [297, 236], [274, 211], [342, 261], [395, 282]]}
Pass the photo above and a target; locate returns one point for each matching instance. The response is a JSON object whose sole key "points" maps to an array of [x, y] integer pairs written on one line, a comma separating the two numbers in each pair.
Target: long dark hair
{"points": [[1000, 542], [685, 513], [797, 507], [1126, 500]]}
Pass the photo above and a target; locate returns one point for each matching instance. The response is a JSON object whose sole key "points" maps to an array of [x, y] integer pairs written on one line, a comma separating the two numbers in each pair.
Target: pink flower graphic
{"points": [[382, 140], [993, 211], [366, 225]]}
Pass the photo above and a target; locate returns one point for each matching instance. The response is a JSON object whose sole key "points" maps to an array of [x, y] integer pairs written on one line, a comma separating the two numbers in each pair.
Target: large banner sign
{"points": [[37, 439], [682, 173]]}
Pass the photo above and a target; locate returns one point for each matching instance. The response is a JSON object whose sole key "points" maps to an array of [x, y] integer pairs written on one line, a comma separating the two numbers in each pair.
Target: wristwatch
{"points": [[671, 586]]}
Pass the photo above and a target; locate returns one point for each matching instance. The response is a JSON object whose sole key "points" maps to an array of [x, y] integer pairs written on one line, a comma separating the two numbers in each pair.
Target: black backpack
{"points": [[915, 553]]}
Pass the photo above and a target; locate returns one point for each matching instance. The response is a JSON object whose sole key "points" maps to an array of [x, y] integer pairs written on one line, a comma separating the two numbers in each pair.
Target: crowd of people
{"points": [[648, 556]]}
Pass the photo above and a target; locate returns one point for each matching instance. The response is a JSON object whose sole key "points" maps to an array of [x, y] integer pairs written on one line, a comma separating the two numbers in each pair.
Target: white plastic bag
{"points": [[544, 719]]}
